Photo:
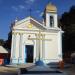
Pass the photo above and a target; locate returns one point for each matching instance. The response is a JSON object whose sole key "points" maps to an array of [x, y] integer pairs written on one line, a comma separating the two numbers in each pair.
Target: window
{"points": [[51, 21]]}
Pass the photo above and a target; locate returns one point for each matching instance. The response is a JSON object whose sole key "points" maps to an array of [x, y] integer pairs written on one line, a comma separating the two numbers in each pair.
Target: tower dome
{"points": [[51, 8]]}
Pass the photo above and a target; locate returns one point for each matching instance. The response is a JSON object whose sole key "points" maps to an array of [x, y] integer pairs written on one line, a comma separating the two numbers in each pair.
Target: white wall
{"points": [[51, 48]]}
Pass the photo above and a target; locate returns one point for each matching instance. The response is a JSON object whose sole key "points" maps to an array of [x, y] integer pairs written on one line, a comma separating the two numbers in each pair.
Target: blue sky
{"points": [[10, 9]]}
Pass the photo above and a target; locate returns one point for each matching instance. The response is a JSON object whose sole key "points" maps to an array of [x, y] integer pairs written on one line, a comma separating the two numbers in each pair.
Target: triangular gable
{"points": [[28, 23]]}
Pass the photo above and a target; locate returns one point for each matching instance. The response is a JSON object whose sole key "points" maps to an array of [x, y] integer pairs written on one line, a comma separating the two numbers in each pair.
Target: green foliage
{"points": [[2, 42], [68, 20], [68, 26], [8, 41]]}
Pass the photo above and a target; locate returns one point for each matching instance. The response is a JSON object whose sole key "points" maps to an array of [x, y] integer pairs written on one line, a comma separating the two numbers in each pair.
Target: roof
{"points": [[31, 20], [3, 50], [27, 18], [51, 8]]}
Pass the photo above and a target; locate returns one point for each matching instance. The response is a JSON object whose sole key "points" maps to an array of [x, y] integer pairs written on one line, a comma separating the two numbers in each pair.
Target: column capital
{"points": [[14, 33], [43, 35], [20, 33]]}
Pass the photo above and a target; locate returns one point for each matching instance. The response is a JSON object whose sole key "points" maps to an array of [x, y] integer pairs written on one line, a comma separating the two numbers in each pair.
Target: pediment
{"points": [[28, 24]]}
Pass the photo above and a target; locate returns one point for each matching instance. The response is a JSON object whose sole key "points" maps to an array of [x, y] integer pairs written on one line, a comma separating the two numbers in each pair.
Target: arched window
{"points": [[51, 21]]}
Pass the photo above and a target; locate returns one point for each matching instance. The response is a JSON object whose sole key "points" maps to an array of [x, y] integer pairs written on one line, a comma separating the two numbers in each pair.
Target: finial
{"points": [[16, 19]]}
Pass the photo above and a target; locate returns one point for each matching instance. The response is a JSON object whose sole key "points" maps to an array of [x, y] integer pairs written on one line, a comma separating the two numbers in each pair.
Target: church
{"points": [[33, 41]]}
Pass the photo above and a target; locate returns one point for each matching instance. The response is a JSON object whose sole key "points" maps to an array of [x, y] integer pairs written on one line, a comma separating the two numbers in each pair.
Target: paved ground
{"points": [[70, 70], [12, 70], [9, 70]]}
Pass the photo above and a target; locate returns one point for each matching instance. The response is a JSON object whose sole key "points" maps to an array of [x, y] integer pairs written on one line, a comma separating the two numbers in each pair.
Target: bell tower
{"points": [[50, 16]]}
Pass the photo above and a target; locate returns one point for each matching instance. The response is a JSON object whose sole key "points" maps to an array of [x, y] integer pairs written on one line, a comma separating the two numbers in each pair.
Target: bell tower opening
{"points": [[51, 21]]}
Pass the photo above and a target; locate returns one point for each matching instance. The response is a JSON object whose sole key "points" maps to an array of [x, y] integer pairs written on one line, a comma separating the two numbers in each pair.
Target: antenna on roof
{"points": [[30, 12]]}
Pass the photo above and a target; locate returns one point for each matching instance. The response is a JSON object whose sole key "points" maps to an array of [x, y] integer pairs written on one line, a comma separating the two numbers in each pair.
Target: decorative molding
{"points": [[36, 33]]}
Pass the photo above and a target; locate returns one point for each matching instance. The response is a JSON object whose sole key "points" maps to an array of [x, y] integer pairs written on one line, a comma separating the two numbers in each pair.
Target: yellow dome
{"points": [[51, 8]]}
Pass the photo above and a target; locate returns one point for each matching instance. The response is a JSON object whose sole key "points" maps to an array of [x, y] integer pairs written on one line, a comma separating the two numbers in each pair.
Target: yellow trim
{"points": [[30, 25]]}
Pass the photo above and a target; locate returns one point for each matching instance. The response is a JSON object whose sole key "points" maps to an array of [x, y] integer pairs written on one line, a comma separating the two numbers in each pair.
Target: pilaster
{"points": [[43, 47], [20, 48], [60, 45], [37, 52], [13, 49]]}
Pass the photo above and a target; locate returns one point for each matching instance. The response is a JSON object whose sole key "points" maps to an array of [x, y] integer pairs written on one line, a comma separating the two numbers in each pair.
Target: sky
{"points": [[10, 9]]}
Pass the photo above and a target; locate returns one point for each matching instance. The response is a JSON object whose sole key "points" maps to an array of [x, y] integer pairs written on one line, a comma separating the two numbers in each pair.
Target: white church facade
{"points": [[32, 40]]}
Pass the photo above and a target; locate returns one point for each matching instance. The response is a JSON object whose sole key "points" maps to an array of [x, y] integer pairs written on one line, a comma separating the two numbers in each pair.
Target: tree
{"points": [[2, 42], [68, 26], [68, 20], [8, 41]]}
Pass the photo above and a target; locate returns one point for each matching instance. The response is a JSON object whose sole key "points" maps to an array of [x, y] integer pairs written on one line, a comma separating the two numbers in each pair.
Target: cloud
{"points": [[14, 8], [41, 14], [21, 7], [37, 11], [29, 1], [18, 8], [32, 0]]}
